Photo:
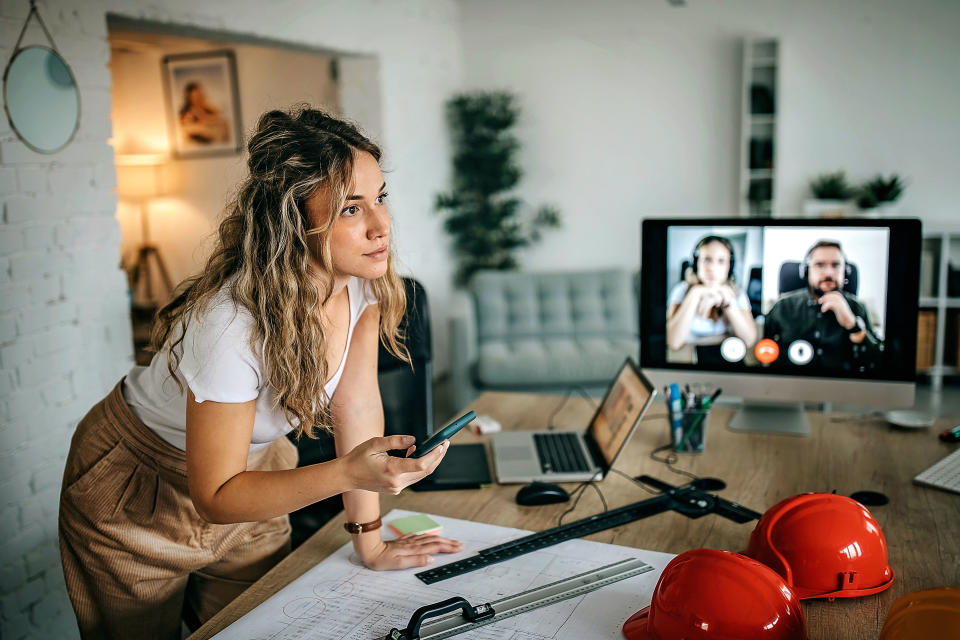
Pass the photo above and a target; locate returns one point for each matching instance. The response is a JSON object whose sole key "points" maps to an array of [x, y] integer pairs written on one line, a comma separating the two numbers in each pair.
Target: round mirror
{"points": [[41, 98]]}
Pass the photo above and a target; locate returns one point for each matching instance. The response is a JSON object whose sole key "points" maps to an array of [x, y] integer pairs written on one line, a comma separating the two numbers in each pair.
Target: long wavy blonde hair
{"points": [[262, 260]]}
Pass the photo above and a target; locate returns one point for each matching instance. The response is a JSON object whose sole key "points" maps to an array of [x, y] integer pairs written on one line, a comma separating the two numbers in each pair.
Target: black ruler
{"points": [[692, 503]]}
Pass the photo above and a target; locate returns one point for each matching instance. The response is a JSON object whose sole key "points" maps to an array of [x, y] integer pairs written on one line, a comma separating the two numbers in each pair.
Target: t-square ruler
{"points": [[469, 617], [687, 500]]}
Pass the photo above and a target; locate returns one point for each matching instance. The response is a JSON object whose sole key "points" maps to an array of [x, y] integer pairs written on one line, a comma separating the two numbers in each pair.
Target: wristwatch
{"points": [[362, 527], [858, 326]]}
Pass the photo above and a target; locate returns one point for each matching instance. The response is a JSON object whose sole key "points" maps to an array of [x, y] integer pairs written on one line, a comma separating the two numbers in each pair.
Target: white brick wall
{"points": [[59, 276], [64, 326]]}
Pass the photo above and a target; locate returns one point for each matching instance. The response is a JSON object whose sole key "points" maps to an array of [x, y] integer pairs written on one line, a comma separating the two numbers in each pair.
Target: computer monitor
{"points": [[779, 311]]}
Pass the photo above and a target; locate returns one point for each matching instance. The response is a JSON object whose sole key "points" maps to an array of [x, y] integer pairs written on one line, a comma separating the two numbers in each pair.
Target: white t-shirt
{"points": [[705, 327], [217, 364]]}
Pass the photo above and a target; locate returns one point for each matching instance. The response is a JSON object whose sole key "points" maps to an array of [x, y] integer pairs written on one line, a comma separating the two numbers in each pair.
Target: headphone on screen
{"points": [[804, 266], [704, 241]]}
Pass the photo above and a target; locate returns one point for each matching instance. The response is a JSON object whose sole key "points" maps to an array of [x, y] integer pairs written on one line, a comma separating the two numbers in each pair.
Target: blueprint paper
{"points": [[339, 599]]}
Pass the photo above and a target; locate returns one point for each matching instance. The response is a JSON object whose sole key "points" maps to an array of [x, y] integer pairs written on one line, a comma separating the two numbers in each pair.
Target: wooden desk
{"points": [[843, 453]]}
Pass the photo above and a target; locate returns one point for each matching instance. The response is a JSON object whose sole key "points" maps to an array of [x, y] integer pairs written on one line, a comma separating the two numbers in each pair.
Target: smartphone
{"points": [[430, 443]]}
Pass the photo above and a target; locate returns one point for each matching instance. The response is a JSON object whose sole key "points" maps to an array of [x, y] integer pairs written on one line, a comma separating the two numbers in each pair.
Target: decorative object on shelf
{"points": [[879, 194], [40, 93], [761, 100], [832, 196], [203, 103], [761, 153], [926, 339], [140, 179], [487, 225]]}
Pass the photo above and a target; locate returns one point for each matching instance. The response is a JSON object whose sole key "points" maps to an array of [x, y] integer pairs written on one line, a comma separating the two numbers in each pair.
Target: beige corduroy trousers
{"points": [[135, 552]]}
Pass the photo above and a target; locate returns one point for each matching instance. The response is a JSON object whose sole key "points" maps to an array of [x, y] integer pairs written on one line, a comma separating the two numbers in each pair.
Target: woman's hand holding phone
{"points": [[369, 466]]}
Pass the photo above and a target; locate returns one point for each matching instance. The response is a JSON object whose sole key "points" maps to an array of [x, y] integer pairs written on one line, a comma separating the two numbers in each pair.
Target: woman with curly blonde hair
{"points": [[178, 484]]}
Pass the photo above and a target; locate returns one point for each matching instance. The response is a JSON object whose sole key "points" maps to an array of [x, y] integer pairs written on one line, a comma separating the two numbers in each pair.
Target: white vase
{"points": [[887, 209], [814, 208]]}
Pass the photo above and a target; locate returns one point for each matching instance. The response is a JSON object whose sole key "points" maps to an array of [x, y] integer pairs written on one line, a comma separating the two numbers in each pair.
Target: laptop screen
{"points": [[622, 407]]}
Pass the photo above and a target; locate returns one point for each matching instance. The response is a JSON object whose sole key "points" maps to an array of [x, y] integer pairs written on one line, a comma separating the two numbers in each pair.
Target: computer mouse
{"points": [[538, 493]]}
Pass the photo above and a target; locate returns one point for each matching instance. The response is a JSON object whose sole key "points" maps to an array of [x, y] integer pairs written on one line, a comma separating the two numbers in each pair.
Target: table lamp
{"points": [[140, 178]]}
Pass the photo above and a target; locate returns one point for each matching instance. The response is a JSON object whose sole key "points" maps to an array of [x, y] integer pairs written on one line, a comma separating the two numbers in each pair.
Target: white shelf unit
{"points": [[940, 255], [758, 127]]}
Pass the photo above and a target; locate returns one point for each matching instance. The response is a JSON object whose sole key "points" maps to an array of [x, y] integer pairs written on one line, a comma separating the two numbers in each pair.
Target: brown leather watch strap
{"points": [[362, 527]]}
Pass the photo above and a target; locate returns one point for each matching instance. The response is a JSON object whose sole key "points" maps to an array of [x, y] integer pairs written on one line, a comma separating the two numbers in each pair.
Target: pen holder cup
{"points": [[693, 436]]}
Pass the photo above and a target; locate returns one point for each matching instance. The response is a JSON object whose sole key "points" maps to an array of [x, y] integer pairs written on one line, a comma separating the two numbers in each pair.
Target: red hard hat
{"points": [[931, 613], [824, 546], [718, 595]]}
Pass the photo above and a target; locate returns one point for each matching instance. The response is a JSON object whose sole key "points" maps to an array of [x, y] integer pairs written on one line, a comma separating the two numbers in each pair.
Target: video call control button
{"points": [[733, 349], [766, 351], [800, 352]]}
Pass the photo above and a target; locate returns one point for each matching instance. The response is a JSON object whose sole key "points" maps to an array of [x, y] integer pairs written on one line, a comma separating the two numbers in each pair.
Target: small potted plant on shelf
{"points": [[832, 196], [879, 195]]}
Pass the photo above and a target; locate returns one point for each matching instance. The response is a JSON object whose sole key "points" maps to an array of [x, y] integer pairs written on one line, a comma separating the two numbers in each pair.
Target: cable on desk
{"points": [[579, 491], [579, 389], [639, 483], [671, 459]]}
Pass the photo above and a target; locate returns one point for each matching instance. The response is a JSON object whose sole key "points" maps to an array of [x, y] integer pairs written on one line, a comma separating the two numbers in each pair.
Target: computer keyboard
{"points": [[944, 474], [560, 452]]}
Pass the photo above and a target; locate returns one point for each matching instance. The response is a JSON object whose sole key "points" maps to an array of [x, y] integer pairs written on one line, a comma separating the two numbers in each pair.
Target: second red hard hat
{"points": [[824, 545]]}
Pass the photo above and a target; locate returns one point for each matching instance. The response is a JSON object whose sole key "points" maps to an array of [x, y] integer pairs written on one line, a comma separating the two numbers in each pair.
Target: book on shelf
{"points": [[926, 339]]}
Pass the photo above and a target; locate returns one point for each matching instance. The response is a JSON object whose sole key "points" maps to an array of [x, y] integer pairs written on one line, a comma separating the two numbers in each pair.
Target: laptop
{"points": [[576, 456]]}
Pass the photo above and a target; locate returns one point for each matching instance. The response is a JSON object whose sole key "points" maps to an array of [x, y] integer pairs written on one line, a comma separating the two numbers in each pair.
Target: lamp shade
{"points": [[140, 175]]}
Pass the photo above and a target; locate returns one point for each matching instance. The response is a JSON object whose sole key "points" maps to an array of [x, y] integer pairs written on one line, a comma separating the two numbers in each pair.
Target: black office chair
{"points": [[791, 279], [407, 397], [406, 389], [755, 290]]}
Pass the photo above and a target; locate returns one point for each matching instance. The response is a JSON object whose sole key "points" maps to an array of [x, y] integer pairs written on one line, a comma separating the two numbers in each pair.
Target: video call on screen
{"points": [[798, 299]]}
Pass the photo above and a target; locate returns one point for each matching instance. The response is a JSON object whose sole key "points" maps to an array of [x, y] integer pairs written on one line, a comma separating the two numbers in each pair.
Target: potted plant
{"points": [[487, 223], [832, 196], [879, 194]]}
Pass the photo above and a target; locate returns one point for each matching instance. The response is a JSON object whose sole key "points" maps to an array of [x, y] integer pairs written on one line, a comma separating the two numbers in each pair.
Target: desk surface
{"points": [[845, 453]]}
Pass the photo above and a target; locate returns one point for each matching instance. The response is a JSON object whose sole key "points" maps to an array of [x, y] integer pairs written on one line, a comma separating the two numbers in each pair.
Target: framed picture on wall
{"points": [[203, 105]]}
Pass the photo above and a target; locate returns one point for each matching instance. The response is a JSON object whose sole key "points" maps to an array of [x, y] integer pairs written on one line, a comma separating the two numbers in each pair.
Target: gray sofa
{"points": [[543, 331]]}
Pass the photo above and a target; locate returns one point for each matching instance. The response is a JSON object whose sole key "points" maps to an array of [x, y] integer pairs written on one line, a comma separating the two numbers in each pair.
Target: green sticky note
{"points": [[416, 524]]}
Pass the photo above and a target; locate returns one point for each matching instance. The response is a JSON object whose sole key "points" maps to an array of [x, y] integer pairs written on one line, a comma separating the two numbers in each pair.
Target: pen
{"points": [[676, 415], [951, 435], [713, 397], [704, 408]]}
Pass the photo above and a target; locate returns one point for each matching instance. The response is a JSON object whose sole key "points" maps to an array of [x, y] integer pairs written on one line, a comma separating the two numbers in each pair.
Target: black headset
{"points": [[847, 269], [705, 240]]}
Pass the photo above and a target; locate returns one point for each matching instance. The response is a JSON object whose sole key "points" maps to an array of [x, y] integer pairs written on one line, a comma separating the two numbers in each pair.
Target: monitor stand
{"points": [[756, 417]]}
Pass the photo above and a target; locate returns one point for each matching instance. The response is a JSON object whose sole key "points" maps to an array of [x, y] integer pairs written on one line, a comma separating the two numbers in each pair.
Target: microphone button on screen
{"points": [[733, 349], [766, 351], [800, 352]]}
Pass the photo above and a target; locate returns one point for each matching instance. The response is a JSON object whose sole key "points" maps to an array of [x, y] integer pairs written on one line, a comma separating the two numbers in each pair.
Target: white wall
{"points": [[632, 107], [64, 315]]}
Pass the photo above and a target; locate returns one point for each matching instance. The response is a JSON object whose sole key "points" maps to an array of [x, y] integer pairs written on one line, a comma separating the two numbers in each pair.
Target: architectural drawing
{"points": [[339, 599]]}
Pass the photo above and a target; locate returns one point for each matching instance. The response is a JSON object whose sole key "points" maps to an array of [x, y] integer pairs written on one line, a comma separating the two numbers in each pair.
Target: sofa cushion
{"points": [[551, 361], [578, 305], [552, 329]]}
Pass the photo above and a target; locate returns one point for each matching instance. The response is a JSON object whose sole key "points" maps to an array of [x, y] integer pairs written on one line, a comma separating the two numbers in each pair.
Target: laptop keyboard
{"points": [[560, 452]]}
